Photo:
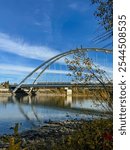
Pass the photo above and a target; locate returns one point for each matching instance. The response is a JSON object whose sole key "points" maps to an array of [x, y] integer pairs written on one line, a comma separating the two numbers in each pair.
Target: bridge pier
{"points": [[68, 91]]}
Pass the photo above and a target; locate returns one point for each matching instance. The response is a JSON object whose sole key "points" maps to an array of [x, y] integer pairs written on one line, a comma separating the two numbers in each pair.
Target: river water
{"points": [[31, 112]]}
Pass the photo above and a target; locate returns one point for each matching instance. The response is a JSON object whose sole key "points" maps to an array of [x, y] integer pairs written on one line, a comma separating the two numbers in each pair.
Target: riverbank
{"points": [[5, 91], [79, 92], [71, 135]]}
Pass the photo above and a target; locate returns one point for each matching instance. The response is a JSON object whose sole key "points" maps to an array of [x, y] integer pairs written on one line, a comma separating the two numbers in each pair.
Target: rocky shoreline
{"points": [[60, 135], [48, 134]]}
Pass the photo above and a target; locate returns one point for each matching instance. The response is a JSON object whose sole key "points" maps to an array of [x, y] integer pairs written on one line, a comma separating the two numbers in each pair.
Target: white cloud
{"points": [[15, 73], [19, 47], [16, 70]]}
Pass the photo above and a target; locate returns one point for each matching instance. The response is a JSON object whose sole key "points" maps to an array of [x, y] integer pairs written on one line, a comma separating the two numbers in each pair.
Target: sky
{"points": [[32, 31]]}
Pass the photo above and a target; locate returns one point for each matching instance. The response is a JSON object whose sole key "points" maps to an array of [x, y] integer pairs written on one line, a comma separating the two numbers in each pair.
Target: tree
{"points": [[84, 70], [6, 84], [104, 13]]}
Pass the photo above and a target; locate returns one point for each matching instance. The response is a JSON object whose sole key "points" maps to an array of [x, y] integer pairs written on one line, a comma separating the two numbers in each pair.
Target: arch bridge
{"points": [[56, 68]]}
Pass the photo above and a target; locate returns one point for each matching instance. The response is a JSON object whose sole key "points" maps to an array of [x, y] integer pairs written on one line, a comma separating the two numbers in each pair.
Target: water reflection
{"points": [[38, 110]]}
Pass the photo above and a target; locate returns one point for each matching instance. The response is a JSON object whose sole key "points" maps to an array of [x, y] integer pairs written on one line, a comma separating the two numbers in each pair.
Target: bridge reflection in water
{"points": [[39, 110]]}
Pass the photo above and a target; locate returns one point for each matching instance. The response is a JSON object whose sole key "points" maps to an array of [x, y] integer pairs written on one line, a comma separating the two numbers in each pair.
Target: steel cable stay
{"points": [[49, 62]]}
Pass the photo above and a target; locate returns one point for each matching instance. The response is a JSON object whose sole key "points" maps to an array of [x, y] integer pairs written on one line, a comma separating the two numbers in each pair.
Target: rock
{"points": [[53, 131]]}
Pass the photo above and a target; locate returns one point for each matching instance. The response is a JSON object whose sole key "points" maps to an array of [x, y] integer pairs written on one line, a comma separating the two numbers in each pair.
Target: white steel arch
{"points": [[47, 63]]}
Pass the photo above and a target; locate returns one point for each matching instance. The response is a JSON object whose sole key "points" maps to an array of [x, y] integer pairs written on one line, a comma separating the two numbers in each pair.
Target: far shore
{"points": [[60, 92]]}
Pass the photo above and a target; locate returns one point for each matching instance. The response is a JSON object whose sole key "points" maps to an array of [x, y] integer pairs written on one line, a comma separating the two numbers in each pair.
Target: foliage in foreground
{"points": [[84, 70], [92, 135], [104, 14]]}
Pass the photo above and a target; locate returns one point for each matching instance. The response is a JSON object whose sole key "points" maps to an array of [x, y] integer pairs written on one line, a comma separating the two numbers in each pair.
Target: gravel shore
{"points": [[46, 135]]}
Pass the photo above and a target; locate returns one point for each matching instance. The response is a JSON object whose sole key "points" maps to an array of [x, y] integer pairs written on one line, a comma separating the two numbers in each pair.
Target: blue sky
{"points": [[32, 31]]}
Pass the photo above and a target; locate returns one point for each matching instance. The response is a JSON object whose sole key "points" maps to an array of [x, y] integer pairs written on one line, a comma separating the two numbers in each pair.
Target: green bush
{"points": [[93, 135]]}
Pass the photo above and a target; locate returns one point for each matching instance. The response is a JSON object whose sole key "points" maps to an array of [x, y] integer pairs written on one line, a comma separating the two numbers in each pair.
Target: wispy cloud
{"points": [[78, 6], [107, 69], [44, 22], [73, 5], [19, 47], [37, 23], [16, 70], [13, 69], [17, 73]]}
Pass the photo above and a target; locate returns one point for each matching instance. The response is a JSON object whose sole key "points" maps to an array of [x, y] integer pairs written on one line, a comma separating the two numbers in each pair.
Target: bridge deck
{"points": [[60, 84]]}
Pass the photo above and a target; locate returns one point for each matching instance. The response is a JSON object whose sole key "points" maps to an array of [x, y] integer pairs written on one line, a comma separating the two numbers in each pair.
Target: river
{"points": [[35, 111]]}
